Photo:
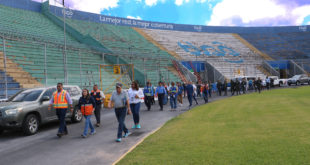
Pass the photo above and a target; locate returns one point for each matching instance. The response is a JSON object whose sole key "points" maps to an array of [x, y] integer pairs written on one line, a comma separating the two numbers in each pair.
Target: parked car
{"points": [[283, 82], [28, 109], [277, 81], [298, 80]]}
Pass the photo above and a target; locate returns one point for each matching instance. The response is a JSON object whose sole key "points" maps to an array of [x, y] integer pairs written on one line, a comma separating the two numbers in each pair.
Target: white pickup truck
{"points": [[277, 81]]}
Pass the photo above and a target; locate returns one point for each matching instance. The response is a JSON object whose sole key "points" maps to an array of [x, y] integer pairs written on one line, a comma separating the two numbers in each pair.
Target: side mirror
{"points": [[45, 98]]}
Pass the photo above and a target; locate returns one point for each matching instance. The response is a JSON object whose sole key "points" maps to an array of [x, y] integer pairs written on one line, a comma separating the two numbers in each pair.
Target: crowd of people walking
{"points": [[129, 101]]}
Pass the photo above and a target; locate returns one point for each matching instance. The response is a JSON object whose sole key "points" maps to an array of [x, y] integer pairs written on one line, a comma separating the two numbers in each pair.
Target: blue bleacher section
{"points": [[280, 64], [199, 65], [12, 86], [282, 46]]}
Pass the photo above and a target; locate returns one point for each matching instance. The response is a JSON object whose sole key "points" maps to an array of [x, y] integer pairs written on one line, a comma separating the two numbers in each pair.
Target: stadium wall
{"points": [[22, 4], [86, 16]]}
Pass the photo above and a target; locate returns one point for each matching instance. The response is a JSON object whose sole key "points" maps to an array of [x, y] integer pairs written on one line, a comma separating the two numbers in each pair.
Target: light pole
{"points": [[130, 52], [65, 45], [5, 72]]}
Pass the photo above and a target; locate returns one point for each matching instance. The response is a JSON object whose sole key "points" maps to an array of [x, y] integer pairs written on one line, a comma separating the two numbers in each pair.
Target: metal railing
{"points": [[270, 69], [187, 73], [295, 69], [213, 74]]}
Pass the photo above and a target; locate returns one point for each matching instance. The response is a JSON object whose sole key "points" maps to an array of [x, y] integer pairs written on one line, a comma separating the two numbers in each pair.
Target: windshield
{"points": [[12, 97], [296, 77], [28, 95]]}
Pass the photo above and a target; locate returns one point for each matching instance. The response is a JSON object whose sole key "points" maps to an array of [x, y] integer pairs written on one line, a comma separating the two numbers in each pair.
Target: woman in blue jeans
{"points": [[87, 105], [135, 95]]}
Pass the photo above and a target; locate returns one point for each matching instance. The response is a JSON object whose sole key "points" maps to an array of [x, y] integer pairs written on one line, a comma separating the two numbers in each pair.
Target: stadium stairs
{"points": [[195, 72], [178, 71]]}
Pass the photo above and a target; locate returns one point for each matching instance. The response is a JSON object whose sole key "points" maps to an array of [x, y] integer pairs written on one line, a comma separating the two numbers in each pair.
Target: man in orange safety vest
{"points": [[60, 101]]}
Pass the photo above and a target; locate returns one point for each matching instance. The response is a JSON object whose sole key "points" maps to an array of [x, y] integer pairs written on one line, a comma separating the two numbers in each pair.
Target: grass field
{"points": [[256, 129]]}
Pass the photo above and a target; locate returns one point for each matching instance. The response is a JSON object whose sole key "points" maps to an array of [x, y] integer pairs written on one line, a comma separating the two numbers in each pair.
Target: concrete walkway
{"points": [[100, 149]]}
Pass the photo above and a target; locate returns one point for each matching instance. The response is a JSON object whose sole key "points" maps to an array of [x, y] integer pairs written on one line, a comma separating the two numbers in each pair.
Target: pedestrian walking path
{"points": [[101, 148]]}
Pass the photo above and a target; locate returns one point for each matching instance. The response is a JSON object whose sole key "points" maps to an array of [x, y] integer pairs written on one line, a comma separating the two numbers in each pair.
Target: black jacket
{"points": [[83, 101]]}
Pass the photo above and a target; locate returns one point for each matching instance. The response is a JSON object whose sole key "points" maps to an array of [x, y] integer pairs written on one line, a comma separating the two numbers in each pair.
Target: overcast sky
{"points": [[203, 12]]}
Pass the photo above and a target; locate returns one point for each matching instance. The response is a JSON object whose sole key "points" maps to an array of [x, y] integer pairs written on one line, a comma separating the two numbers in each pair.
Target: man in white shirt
{"points": [[195, 93]]}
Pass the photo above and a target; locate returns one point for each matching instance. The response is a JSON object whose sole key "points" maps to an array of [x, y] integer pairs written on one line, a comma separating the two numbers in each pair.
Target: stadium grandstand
{"points": [[41, 44]]}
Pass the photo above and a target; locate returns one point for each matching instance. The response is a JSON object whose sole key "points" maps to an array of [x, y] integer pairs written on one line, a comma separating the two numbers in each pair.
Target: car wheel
{"points": [[308, 82], [76, 115], [289, 84], [31, 125]]}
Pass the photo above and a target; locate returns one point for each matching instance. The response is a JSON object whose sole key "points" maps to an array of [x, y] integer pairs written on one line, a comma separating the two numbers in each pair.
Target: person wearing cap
{"points": [[121, 105], [148, 92], [160, 93]]}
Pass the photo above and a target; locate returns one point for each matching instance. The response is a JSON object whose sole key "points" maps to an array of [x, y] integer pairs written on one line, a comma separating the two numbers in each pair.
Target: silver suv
{"points": [[298, 80], [28, 109]]}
